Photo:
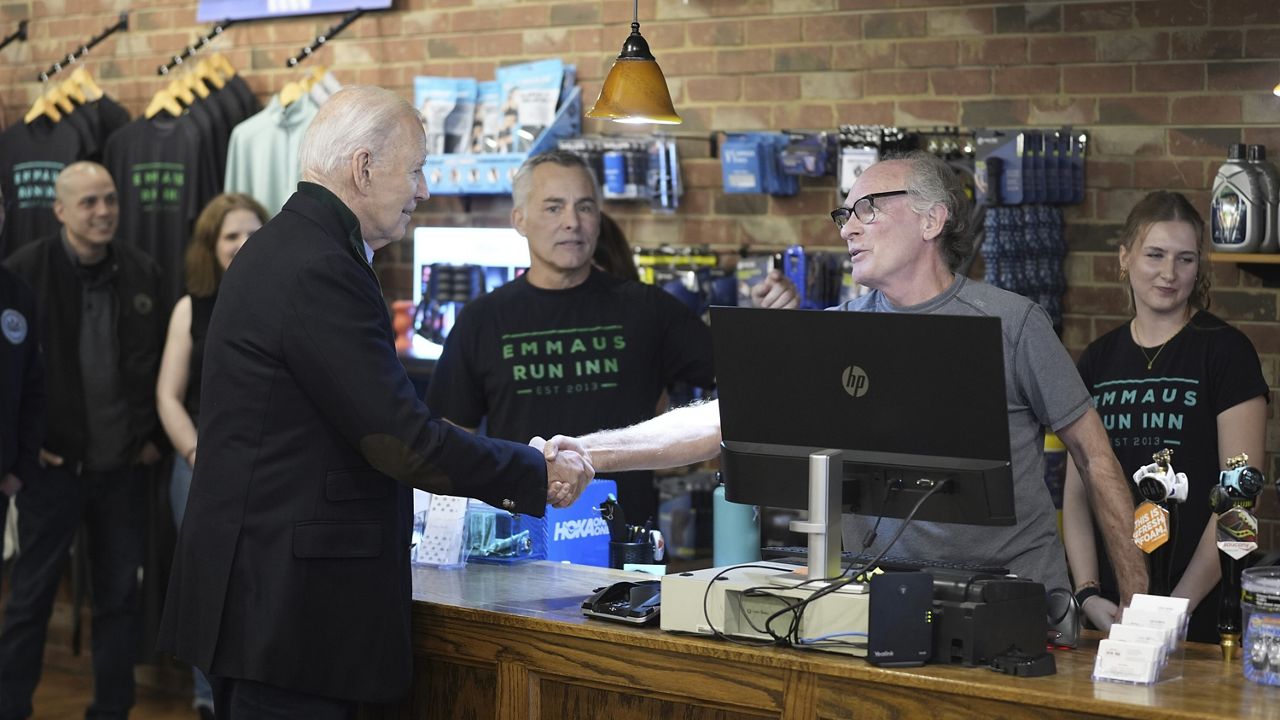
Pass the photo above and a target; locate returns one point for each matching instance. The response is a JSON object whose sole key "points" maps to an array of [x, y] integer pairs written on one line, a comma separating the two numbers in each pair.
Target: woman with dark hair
{"points": [[1173, 377], [613, 253], [222, 227]]}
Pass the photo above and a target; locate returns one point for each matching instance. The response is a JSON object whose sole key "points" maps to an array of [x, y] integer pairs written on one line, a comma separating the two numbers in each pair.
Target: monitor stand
{"points": [[823, 525]]}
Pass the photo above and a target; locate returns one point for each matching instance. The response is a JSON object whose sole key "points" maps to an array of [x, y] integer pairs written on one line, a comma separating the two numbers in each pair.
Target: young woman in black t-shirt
{"points": [[1176, 377]]}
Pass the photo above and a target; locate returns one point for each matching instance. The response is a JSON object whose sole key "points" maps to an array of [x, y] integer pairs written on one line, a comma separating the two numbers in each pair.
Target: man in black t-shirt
{"points": [[566, 348]]}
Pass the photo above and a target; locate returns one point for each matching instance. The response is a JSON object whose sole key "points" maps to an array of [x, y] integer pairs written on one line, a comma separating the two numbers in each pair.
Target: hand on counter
{"points": [[776, 291], [1101, 612], [569, 469]]}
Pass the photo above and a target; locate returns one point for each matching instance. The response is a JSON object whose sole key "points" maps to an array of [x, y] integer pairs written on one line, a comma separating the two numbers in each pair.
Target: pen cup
{"points": [[621, 553]]}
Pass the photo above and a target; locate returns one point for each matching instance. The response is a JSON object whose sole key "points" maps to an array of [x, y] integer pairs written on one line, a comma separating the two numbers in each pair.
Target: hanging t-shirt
{"points": [[97, 121], [240, 92], [262, 157], [532, 362], [111, 116], [1205, 369], [163, 184], [214, 133], [31, 156]]}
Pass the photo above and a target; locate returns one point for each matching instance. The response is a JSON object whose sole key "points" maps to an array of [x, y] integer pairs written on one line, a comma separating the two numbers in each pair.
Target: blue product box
{"points": [[575, 534], [578, 534]]}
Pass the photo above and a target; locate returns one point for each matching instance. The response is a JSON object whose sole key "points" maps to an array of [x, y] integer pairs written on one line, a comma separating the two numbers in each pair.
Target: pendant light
{"points": [[635, 90]]}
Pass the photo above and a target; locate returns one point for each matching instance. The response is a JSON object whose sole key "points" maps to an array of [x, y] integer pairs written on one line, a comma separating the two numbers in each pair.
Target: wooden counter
{"points": [[510, 642]]}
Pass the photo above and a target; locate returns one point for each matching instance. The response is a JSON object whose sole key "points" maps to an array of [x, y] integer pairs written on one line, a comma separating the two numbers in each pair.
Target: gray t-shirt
{"points": [[1043, 389]]}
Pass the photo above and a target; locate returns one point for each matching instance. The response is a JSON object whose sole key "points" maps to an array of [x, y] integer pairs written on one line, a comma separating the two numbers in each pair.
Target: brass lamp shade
{"points": [[1276, 90], [635, 90]]}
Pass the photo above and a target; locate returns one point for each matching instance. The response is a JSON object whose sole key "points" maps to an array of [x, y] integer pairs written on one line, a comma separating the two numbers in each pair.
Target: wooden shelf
{"points": [[1243, 258], [1265, 266]]}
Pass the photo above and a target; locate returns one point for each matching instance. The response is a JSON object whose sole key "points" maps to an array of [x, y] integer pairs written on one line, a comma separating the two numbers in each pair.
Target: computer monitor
{"points": [[902, 401], [451, 266]]}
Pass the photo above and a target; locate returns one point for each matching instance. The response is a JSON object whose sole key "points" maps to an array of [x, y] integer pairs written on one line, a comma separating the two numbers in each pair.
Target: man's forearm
{"points": [[1113, 509], [1109, 496], [684, 436]]}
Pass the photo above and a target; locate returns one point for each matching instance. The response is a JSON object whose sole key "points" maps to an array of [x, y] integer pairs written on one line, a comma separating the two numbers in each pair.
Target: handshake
{"points": [[569, 468]]}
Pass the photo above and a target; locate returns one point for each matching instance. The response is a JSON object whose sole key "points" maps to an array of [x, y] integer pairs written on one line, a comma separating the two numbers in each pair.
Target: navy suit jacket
{"points": [[292, 566]]}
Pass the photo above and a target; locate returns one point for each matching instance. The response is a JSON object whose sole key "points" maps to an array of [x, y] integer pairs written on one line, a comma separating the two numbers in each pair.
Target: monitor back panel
{"points": [[876, 382]]}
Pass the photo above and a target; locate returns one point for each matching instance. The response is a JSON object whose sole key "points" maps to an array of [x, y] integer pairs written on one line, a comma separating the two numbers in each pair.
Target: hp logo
{"points": [[855, 381]]}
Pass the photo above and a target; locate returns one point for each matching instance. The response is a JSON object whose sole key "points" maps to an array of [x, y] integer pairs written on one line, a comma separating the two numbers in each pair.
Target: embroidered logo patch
{"points": [[14, 326]]}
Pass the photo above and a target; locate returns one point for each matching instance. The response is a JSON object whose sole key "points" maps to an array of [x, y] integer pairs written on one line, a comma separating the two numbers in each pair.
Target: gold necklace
{"points": [[1151, 359]]}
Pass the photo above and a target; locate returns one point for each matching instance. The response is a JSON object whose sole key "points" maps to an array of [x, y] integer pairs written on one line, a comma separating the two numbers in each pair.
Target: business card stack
{"points": [[1146, 646]]}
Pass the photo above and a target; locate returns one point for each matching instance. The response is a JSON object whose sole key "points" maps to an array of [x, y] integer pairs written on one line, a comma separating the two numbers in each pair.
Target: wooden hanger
{"points": [[290, 93], [72, 90], [222, 65], [180, 91], [194, 83], [87, 85], [42, 107], [315, 76], [163, 101], [55, 95], [210, 74]]}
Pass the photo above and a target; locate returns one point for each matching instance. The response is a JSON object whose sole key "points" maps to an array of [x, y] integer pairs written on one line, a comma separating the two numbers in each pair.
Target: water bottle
{"points": [[736, 530], [1271, 194], [1237, 214]]}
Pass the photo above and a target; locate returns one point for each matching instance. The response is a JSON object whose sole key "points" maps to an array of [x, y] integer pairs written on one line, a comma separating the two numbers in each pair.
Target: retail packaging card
{"points": [[1161, 603], [1170, 625], [530, 94], [1133, 662], [448, 104], [1138, 634]]}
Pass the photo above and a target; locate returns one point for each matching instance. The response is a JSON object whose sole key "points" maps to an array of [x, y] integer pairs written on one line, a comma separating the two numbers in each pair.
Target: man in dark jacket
{"points": [[102, 330], [291, 583], [21, 386]]}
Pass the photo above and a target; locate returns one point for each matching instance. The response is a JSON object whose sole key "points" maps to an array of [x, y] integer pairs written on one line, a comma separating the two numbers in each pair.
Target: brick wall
{"points": [[1161, 85]]}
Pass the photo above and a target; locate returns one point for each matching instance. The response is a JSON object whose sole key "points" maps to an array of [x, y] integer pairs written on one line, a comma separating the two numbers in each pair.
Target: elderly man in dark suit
{"points": [[291, 584]]}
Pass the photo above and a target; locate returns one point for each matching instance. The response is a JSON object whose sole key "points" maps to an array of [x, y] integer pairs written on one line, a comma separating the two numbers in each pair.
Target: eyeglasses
{"points": [[864, 208]]}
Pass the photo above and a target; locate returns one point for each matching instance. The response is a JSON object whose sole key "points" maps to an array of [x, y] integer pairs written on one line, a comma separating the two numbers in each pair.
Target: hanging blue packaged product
{"points": [[806, 154], [1053, 168], [615, 172], [1032, 167], [998, 183], [740, 164]]}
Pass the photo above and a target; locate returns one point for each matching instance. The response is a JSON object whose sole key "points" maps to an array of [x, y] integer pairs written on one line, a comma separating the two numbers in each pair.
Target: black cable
{"points": [[706, 614], [840, 581]]}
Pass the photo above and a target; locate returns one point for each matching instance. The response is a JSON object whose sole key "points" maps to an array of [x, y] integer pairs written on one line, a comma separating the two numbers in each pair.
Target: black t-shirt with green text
{"points": [[570, 362], [1205, 369]]}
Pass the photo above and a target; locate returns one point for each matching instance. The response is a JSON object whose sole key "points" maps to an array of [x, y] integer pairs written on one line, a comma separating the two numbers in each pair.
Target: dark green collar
{"points": [[350, 223]]}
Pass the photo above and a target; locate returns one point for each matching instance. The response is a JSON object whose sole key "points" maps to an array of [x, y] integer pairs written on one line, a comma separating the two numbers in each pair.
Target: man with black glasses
{"points": [[906, 225]]}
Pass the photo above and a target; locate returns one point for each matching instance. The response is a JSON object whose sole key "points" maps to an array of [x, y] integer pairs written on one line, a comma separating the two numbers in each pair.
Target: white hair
{"points": [[355, 117]]}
